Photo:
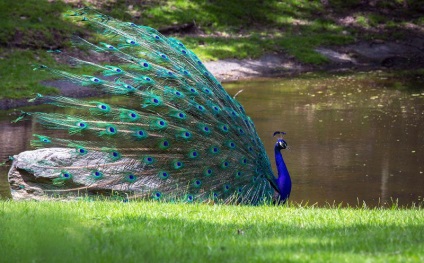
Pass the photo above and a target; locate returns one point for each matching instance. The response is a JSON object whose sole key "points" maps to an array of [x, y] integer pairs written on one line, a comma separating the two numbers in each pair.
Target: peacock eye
{"points": [[146, 65]]}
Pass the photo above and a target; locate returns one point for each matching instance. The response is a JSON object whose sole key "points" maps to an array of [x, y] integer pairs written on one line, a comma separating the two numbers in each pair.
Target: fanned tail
{"points": [[176, 134]]}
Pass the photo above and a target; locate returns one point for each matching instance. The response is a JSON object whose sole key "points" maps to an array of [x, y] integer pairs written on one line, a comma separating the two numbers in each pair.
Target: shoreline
{"points": [[361, 56]]}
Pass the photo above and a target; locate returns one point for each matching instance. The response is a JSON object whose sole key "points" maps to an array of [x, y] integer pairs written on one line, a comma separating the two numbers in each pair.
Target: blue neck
{"points": [[283, 182]]}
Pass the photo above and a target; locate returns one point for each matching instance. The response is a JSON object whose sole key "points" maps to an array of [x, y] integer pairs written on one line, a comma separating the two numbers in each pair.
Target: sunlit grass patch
{"points": [[160, 232]]}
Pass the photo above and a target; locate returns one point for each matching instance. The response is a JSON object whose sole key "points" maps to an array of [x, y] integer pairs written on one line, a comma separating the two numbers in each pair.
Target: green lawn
{"points": [[107, 231]]}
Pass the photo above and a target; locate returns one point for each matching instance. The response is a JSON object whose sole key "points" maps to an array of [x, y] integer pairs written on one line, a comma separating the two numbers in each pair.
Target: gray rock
{"points": [[34, 175]]}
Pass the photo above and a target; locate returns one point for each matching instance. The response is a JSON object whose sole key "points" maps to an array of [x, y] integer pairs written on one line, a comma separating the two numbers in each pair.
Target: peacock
{"points": [[172, 133]]}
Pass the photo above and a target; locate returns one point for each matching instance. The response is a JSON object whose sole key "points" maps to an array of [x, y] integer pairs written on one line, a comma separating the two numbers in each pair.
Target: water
{"points": [[351, 138]]}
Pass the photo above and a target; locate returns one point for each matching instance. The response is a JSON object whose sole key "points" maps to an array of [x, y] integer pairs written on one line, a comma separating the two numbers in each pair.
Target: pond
{"points": [[352, 138]]}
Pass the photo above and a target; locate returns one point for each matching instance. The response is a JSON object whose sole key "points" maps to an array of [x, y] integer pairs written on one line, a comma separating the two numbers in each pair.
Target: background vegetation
{"points": [[214, 29]]}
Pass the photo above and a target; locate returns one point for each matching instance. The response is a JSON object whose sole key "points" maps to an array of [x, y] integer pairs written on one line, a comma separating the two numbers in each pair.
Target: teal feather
{"points": [[177, 136]]}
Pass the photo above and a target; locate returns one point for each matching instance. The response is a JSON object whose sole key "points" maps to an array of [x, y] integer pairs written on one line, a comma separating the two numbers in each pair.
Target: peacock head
{"points": [[280, 144]]}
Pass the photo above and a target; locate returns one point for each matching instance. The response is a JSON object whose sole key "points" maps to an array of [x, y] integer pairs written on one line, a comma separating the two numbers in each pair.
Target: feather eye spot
{"points": [[163, 175], [81, 125], [115, 154], [130, 178], [145, 64], [163, 56], [65, 175], [208, 172], [164, 144], [97, 175], [186, 72], [148, 160], [238, 174], [157, 195], [111, 130], [147, 79], [184, 51], [225, 164], [190, 198], [82, 151]]}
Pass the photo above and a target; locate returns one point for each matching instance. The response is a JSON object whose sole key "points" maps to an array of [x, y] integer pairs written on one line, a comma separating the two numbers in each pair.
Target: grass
{"points": [[108, 231], [18, 79]]}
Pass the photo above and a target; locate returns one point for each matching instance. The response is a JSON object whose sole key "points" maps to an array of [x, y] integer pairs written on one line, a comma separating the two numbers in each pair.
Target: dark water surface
{"points": [[351, 138]]}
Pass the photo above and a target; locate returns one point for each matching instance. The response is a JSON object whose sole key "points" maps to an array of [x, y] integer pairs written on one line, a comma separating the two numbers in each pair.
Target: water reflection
{"points": [[350, 138]]}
